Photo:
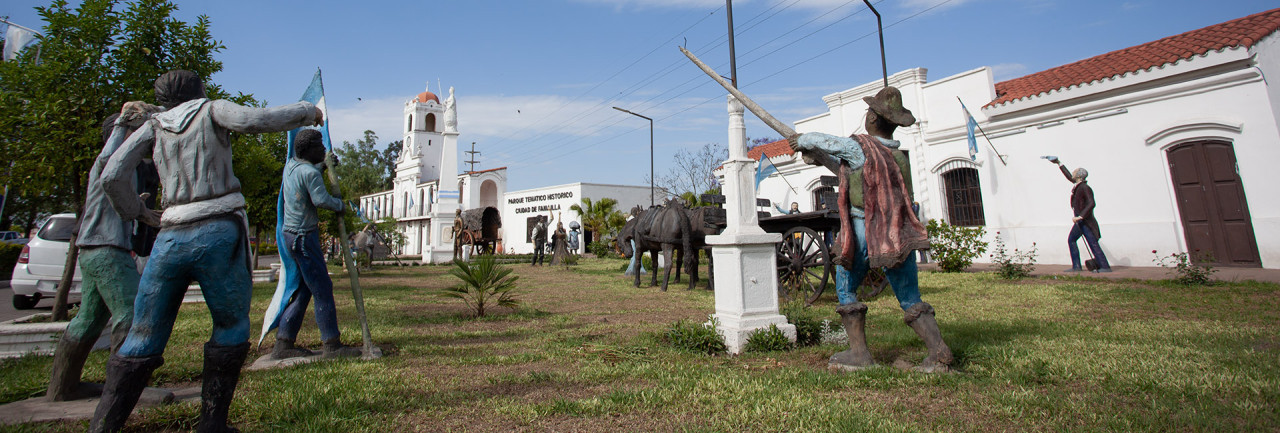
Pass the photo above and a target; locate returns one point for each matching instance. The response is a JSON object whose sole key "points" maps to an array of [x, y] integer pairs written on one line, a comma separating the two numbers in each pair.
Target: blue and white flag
{"points": [[970, 124], [16, 39], [764, 168], [290, 277]]}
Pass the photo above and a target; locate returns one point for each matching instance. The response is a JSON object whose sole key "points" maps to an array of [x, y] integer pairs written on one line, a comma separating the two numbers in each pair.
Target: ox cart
{"points": [[805, 260], [480, 229]]}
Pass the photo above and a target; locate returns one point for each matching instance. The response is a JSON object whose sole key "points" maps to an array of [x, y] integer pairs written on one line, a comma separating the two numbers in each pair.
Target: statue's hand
{"points": [[794, 142], [319, 117]]}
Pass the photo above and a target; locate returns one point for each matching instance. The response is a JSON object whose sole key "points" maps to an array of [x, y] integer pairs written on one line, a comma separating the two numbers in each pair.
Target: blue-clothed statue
{"points": [[574, 228], [302, 191], [875, 207], [203, 238]]}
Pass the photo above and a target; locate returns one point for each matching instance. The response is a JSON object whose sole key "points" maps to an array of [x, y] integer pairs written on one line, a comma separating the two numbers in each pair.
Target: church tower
{"points": [[423, 142]]}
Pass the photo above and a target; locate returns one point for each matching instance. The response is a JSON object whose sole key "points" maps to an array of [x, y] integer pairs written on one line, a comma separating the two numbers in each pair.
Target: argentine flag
{"points": [[289, 275], [969, 125]]}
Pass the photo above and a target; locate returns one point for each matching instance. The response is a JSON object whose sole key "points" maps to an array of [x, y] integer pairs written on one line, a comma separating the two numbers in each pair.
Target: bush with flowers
{"points": [[1184, 271]]}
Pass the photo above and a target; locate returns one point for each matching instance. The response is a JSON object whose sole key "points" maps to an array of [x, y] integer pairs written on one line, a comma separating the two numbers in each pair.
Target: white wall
{"points": [[1027, 200]]}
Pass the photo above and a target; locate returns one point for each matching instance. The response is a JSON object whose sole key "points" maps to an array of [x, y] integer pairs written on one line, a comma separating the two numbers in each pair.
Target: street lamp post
{"points": [[651, 188]]}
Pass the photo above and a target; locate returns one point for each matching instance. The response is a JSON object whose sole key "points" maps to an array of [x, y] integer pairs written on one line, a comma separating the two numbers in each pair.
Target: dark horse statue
{"points": [[666, 228]]}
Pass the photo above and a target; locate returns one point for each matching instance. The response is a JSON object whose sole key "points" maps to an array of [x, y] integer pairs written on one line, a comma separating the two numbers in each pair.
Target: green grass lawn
{"points": [[585, 353]]}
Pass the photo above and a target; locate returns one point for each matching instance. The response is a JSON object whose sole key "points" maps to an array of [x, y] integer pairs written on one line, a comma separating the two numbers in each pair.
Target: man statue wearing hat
{"points": [[875, 207]]}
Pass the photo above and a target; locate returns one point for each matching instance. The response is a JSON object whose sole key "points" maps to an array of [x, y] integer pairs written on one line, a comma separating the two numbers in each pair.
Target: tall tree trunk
{"points": [[64, 286]]}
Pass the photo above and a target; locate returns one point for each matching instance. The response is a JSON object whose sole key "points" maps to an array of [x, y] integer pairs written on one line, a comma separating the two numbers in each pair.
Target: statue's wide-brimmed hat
{"points": [[888, 104]]}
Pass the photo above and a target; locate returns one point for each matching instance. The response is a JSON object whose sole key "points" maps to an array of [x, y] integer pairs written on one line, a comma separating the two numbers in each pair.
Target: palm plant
{"points": [[483, 283], [599, 216]]}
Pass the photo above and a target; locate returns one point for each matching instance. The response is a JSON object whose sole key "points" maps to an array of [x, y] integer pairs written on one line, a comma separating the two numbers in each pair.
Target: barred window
{"points": [[824, 197], [964, 197]]}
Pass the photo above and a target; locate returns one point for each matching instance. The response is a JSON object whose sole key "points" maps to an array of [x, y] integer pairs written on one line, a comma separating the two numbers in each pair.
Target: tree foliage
{"points": [[363, 169], [92, 59]]}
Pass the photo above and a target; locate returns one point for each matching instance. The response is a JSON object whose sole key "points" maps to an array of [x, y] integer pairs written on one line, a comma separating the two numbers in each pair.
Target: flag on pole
{"points": [[764, 168], [16, 38], [290, 276], [970, 124]]}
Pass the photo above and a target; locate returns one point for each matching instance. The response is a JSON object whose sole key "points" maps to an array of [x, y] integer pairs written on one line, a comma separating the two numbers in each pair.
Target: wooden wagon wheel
{"points": [[872, 285], [804, 265], [468, 239]]}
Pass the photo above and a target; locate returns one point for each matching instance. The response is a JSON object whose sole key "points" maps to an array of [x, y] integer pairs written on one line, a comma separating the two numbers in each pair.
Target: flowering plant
{"points": [[1184, 271], [1013, 266]]}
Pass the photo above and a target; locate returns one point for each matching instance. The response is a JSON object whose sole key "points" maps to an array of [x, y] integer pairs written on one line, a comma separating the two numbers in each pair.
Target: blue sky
{"points": [[535, 80]]}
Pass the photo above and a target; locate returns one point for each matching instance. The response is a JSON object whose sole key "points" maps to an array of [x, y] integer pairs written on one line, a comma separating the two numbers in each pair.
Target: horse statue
{"points": [[365, 241], [666, 228]]}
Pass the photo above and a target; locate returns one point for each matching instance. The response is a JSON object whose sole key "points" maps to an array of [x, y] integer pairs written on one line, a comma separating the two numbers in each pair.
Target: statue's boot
{"points": [[854, 319], [285, 348], [333, 348], [221, 374], [126, 378], [920, 318], [68, 364]]}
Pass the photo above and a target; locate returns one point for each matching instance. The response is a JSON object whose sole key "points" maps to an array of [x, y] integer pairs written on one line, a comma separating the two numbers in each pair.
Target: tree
{"points": [[600, 217], [361, 168], [92, 59], [391, 156], [693, 171]]}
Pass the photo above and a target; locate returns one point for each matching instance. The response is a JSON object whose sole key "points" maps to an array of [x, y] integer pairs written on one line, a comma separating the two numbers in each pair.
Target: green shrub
{"points": [[1184, 271], [602, 250], [769, 339], [268, 250], [484, 282], [809, 327], [8, 259], [955, 247], [1014, 266], [696, 337]]}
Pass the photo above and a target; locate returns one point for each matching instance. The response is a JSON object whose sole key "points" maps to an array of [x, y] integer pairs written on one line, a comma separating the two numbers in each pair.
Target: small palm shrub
{"points": [[769, 339], [696, 337], [484, 283]]}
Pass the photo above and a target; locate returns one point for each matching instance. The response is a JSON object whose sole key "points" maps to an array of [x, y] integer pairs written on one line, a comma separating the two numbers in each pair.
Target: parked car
{"points": [[9, 236], [39, 268]]}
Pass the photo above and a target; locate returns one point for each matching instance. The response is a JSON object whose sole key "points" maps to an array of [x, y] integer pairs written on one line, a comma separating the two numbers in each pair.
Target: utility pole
{"points": [[471, 156]]}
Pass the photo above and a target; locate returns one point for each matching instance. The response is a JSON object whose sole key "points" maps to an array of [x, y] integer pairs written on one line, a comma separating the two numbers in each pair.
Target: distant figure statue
{"points": [[457, 234], [539, 240], [574, 228], [450, 113], [1083, 223], [560, 246]]}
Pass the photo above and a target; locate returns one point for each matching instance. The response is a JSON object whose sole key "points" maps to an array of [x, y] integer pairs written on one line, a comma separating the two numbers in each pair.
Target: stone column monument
{"points": [[746, 275], [448, 195]]}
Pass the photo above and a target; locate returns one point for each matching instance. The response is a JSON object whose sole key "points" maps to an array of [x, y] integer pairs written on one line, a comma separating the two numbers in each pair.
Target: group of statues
{"points": [[202, 237], [563, 243]]}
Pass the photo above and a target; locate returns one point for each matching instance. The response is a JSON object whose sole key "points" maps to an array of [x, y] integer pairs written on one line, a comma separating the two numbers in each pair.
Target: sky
{"points": [[535, 80]]}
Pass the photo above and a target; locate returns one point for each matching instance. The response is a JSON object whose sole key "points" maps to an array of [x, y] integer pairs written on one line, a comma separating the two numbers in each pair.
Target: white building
{"points": [[521, 207], [423, 205], [1180, 137]]}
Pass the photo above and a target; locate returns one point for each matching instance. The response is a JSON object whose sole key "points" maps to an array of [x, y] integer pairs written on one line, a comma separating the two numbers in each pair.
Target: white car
{"points": [[39, 268]]}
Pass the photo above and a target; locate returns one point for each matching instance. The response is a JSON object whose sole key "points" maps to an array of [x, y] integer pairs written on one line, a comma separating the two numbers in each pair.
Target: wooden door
{"points": [[1211, 202]]}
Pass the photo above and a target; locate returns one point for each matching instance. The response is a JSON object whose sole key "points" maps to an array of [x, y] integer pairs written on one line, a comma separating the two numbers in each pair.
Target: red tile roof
{"points": [[486, 171], [773, 150], [1242, 32]]}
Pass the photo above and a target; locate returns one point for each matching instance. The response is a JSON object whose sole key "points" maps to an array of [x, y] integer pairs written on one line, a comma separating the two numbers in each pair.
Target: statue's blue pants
{"points": [[1078, 230], [903, 277], [315, 282], [210, 252]]}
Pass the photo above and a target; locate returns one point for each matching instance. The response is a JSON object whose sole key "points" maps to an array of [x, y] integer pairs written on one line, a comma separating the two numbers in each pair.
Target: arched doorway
{"points": [[488, 194], [1211, 204]]}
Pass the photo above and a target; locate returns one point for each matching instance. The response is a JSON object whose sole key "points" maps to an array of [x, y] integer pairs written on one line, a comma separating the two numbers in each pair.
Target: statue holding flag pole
{"points": [[303, 271], [203, 237]]}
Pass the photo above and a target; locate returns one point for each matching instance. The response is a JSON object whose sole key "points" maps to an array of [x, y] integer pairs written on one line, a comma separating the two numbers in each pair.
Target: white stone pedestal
{"points": [[746, 272]]}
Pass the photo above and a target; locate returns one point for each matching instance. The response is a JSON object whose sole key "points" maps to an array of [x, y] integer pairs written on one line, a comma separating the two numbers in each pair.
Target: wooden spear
{"points": [[356, 293]]}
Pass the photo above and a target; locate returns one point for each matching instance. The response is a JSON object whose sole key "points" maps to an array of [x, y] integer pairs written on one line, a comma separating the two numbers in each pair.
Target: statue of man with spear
{"points": [[877, 226]]}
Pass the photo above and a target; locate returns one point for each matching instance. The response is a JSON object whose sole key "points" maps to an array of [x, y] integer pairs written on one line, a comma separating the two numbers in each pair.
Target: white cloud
{"points": [[381, 116]]}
